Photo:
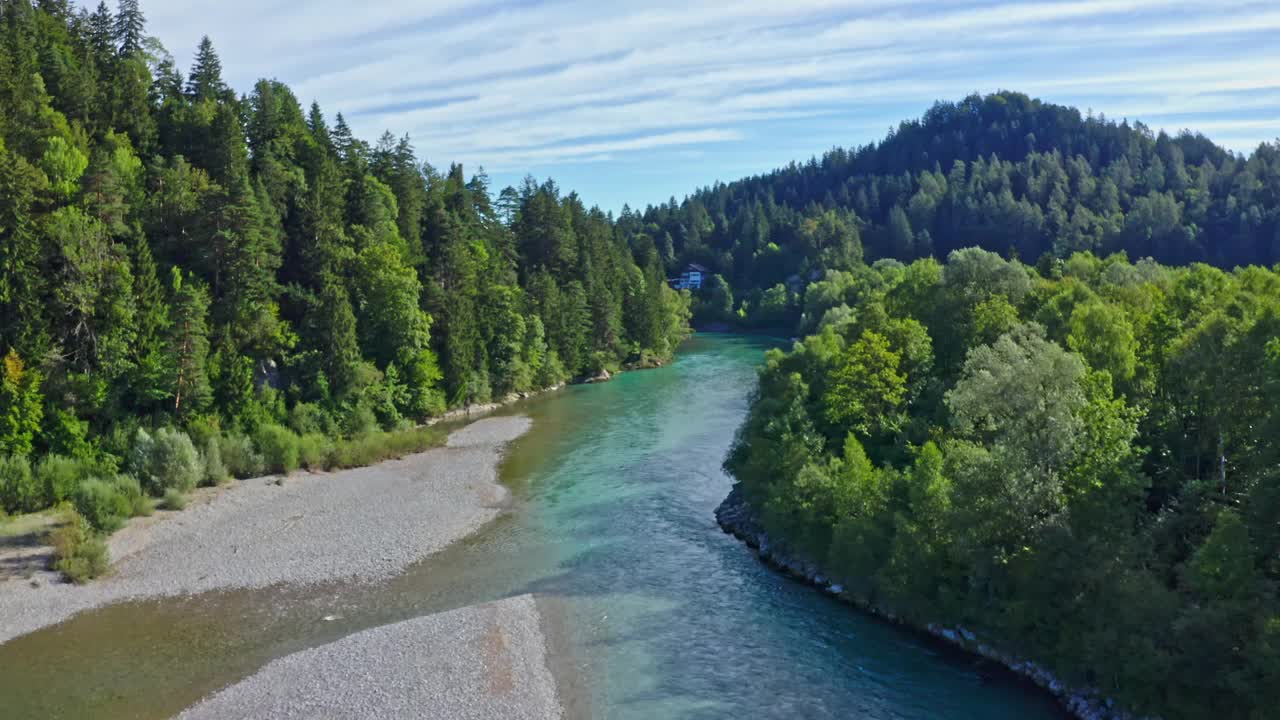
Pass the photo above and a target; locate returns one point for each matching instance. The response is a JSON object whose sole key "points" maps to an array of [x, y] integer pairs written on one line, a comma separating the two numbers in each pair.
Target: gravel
{"points": [[365, 524], [484, 661]]}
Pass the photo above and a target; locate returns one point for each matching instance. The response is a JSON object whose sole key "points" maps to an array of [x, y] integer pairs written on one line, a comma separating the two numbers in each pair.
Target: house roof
{"points": [[695, 267]]}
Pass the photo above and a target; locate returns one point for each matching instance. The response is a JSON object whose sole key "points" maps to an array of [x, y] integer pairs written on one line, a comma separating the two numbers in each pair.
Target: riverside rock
{"points": [[736, 517]]}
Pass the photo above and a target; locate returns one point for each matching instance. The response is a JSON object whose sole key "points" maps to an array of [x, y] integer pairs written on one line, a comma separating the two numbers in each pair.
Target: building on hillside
{"points": [[691, 279]]}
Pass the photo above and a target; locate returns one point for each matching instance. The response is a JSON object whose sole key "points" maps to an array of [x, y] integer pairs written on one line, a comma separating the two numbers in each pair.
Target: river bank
{"points": [[737, 518], [411, 669], [360, 525]]}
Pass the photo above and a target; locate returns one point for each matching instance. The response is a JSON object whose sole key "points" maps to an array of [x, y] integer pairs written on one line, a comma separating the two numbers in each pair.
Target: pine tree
{"points": [[205, 80], [333, 334], [130, 24], [318, 127], [21, 304], [189, 344], [102, 34], [148, 385]]}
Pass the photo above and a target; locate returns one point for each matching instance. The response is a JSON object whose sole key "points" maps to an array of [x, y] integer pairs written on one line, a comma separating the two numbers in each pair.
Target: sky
{"points": [[637, 102]]}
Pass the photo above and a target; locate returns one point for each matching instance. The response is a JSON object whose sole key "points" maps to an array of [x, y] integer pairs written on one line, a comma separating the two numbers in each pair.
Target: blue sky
{"points": [[634, 102]]}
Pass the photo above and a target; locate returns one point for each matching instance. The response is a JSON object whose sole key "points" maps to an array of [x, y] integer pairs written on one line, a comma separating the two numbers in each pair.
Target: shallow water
{"points": [[666, 616]]}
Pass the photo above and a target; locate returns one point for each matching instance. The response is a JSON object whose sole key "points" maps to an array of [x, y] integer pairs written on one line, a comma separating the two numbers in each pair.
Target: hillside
{"points": [[1017, 176]]}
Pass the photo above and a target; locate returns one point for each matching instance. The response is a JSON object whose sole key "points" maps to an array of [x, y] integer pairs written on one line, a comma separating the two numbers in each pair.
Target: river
{"points": [[664, 616]]}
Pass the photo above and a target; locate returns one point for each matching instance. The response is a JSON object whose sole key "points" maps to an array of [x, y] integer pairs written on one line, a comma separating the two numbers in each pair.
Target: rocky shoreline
{"points": [[737, 518], [358, 525]]}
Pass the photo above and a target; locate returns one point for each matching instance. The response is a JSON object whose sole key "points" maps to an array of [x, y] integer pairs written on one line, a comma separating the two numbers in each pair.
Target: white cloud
{"points": [[520, 86]]}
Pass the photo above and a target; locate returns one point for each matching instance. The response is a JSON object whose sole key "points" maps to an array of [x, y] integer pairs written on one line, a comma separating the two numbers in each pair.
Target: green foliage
{"points": [[79, 553], [215, 471], [63, 164], [165, 459], [103, 505], [174, 499], [58, 477], [1092, 490], [21, 406], [20, 490], [865, 390], [240, 457], [306, 418], [128, 487], [314, 451], [279, 448], [376, 447]]}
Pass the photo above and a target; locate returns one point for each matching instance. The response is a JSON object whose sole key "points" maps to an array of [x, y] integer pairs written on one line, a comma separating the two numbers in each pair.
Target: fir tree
{"points": [[189, 344], [205, 80], [130, 26]]}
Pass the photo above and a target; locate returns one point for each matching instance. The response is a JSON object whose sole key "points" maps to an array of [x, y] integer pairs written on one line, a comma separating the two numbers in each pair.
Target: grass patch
{"points": [[30, 525], [376, 447]]}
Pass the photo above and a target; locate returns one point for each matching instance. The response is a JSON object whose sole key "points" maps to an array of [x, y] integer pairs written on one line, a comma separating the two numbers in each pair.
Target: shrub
{"points": [[174, 499], [279, 448], [204, 428], [360, 420], [19, 490], [313, 451], [58, 477], [240, 457], [102, 505], [166, 460], [215, 472], [376, 447], [78, 552], [309, 418], [129, 488]]}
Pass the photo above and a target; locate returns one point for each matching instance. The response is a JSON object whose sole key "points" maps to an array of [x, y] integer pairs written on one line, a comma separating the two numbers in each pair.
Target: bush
{"points": [[203, 428], [240, 457], [166, 460], [360, 420], [309, 418], [313, 451], [78, 552], [20, 492], [58, 476], [102, 505], [174, 500], [279, 448], [215, 472], [376, 447], [129, 488]]}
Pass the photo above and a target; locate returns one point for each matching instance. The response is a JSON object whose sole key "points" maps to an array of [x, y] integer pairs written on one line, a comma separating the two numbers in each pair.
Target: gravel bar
{"points": [[364, 524], [477, 663]]}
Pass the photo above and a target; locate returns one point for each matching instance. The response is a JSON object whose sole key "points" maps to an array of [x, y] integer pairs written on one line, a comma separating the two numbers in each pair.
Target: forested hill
{"points": [[1004, 172], [173, 253]]}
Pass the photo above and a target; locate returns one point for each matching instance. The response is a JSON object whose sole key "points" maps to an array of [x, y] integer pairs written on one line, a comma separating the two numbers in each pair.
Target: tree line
{"points": [[1076, 461], [1016, 176], [173, 254]]}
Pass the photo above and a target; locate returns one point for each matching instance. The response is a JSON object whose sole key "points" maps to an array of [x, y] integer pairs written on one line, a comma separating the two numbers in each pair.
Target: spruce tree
{"points": [[102, 34], [130, 24], [205, 80], [189, 344]]}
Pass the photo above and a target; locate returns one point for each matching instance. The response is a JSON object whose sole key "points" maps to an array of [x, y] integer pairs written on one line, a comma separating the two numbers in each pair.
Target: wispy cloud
{"points": [[527, 86]]}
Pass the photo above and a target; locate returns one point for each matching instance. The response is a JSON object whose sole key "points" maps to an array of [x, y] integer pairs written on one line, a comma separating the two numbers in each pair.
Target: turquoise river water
{"points": [[662, 615]]}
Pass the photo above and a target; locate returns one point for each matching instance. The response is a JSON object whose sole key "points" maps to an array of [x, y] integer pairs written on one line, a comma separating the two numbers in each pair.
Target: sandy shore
{"points": [[479, 662], [360, 525]]}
